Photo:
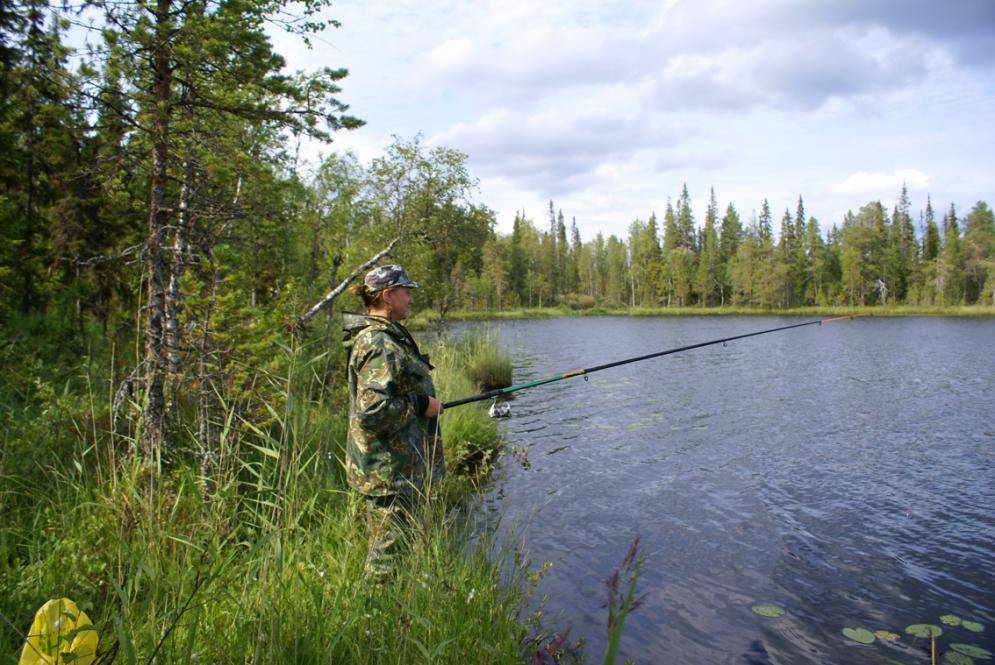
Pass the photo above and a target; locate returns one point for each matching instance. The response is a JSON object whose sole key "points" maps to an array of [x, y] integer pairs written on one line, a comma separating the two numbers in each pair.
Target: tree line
{"points": [[872, 257]]}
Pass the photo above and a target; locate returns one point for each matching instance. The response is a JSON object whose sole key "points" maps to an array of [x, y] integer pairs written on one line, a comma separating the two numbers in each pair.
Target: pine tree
{"points": [[784, 261], [668, 286], [952, 261], [203, 76], [931, 279], [683, 257], [550, 261], [574, 256], [815, 252], [729, 240], [517, 260], [903, 251], [765, 288], [562, 252], [709, 274], [799, 255]]}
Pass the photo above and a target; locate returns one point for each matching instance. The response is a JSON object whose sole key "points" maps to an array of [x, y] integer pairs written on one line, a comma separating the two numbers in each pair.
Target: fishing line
{"points": [[498, 392]]}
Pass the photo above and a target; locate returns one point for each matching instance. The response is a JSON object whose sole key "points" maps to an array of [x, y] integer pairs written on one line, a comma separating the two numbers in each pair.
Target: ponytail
{"points": [[364, 294]]}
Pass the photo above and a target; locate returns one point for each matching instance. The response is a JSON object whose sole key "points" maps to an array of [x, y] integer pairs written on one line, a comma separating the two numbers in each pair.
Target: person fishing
{"points": [[393, 446]]}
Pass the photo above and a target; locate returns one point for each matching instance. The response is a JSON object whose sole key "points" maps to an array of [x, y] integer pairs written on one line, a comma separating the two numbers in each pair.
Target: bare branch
{"points": [[334, 293]]}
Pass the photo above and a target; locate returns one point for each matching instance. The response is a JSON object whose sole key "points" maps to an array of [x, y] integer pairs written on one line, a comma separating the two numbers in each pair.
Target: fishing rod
{"points": [[498, 392]]}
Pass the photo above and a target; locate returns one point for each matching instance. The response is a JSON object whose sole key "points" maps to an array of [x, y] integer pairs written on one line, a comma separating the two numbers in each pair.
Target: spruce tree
{"points": [[952, 261], [729, 240], [930, 277], [784, 261], [815, 250], [709, 273]]}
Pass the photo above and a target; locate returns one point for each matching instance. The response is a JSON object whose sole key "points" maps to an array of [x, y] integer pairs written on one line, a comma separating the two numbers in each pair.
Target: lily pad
{"points": [[770, 611], [885, 635], [973, 626], [972, 651], [950, 619], [924, 630], [861, 635], [954, 658]]}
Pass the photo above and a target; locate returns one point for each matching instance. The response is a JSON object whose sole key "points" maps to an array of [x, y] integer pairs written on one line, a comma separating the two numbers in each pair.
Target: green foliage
{"points": [[972, 651], [973, 626], [924, 630], [861, 635]]}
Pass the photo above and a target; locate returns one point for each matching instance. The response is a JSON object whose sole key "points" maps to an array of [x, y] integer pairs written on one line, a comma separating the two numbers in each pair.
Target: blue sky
{"points": [[608, 107]]}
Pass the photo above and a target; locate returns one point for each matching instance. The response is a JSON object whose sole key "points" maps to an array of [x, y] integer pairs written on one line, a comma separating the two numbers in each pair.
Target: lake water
{"points": [[844, 472]]}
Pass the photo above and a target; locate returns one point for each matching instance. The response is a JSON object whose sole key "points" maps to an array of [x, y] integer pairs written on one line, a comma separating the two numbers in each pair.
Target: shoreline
{"points": [[958, 311]]}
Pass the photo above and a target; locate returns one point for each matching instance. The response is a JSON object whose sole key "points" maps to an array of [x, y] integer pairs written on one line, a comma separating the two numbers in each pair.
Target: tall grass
{"points": [[260, 563], [253, 551]]}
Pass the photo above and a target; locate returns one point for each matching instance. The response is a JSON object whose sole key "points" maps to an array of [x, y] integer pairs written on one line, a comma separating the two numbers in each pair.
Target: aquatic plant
{"points": [[972, 651], [954, 658], [770, 611], [620, 604], [924, 630], [861, 635]]}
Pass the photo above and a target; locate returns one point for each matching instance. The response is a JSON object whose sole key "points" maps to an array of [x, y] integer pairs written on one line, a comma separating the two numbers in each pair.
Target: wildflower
{"points": [[469, 596]]}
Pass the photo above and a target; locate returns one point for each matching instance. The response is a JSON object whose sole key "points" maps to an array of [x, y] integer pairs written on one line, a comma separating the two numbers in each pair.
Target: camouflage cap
{"points": [[388, 277]]}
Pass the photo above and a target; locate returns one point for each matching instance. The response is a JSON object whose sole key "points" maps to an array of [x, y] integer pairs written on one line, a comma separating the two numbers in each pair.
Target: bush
{"points": [[581, 302]]}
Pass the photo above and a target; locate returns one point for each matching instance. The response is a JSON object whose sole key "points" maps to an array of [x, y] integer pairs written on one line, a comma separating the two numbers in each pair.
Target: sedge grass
{"points": [[261, 563]]}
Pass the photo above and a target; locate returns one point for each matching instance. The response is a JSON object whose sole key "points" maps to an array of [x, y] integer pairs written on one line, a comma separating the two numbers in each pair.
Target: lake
{"points": [[843, 472]]}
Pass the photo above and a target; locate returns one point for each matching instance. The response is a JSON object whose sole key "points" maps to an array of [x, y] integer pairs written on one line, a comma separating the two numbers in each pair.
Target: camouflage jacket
{"points": [[391, 448]]}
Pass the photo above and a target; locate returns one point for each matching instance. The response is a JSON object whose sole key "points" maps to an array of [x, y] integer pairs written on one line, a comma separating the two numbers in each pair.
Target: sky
{"points": [[607, 108]]}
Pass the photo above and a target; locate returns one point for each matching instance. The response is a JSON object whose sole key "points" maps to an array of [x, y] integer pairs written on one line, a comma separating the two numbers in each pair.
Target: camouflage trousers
{"points": [[388, 521]]}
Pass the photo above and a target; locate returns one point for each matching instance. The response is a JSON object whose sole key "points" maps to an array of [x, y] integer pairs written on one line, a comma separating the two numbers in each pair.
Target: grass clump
{"points": [[470, 438], [486, 366]]}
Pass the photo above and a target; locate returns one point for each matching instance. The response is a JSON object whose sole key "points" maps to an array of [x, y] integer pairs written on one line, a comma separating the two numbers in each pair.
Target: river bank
{"points": [[425, 319]]}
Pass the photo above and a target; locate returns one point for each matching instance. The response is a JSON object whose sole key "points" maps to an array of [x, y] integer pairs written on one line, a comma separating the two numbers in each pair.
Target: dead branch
{"points": [[306, 317]]}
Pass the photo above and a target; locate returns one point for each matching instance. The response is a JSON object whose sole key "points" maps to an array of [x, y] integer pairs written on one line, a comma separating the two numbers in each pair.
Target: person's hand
{"points": [[434, 408]]}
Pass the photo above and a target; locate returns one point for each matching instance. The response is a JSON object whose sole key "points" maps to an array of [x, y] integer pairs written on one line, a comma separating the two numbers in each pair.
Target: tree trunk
{"points": [[173, 296], [156, 362]]}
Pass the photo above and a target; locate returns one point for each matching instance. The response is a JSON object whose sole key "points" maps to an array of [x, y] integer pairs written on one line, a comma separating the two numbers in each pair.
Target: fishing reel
{"points": [[499, 410]]}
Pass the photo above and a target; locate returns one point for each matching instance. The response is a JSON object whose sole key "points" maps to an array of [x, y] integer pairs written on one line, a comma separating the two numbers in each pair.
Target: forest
{"points": [[160, 240]]}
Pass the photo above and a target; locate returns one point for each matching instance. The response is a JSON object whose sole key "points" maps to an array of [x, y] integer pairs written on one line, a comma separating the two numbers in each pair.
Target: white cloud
{"points": [[554, 152], [608, 106], [882, 185]]}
